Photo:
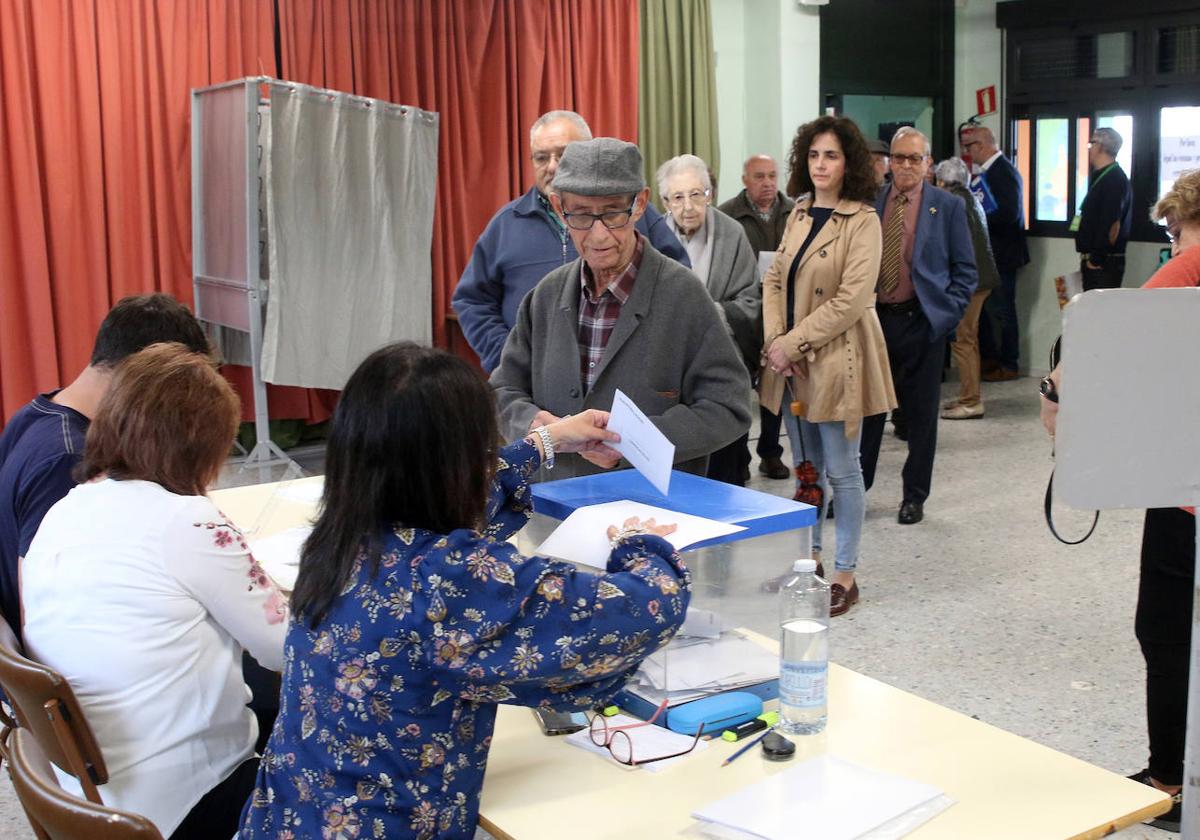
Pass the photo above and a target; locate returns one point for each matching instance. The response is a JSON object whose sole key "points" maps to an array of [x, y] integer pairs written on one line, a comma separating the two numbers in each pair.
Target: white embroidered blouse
{"points": [[143, 600]]}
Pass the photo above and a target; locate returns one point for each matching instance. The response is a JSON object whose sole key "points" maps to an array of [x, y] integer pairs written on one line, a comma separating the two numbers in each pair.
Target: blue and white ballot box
{"points": [[732, 579]]}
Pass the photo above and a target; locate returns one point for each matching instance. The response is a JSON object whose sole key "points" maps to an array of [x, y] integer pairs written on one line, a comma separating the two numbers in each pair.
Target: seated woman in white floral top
{"points": [[143, 595], [413, 617]]}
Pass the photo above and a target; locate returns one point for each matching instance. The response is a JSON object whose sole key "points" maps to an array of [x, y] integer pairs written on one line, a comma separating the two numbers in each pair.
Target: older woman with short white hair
{"points": [[724, 261], [952, 176]]}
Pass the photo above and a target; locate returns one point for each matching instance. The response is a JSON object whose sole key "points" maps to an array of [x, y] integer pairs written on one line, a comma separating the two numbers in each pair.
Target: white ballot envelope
{"points": [[642, 444], [582, 537]]}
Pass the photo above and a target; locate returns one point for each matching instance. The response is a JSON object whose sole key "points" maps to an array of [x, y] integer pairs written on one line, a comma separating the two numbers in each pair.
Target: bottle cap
{"points": [[804, 566]]}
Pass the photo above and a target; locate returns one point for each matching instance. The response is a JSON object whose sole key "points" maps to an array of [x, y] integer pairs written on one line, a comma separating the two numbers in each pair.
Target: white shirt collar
{"points": [[987, 163]]}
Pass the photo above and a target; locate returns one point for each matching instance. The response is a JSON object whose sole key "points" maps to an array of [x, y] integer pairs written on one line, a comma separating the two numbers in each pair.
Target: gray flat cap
{"points": [[878, 147], [603, 166]]}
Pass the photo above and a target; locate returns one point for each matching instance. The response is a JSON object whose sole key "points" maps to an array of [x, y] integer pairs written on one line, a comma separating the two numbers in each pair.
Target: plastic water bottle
{"points": [[804, 640]]}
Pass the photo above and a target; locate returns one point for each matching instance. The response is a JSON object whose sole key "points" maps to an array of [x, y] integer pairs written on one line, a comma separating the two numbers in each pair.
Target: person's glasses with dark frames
{"points": [[619, 742], [907, 160], [613, 220]]}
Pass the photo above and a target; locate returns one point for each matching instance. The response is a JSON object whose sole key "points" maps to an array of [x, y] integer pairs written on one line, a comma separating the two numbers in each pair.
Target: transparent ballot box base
{"points": [[731, 592]]}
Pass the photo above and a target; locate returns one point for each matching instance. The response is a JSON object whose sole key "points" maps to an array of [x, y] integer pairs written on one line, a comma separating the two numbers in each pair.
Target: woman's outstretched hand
{"points": [[633, 525]]}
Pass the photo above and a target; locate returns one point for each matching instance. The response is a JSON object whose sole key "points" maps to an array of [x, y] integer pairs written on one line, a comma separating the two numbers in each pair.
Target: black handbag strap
{"points": [[1050, 517]]}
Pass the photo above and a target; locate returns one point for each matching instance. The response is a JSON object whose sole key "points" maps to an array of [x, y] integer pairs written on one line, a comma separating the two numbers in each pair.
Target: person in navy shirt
{"points": [[43, 442], [526, 240]]}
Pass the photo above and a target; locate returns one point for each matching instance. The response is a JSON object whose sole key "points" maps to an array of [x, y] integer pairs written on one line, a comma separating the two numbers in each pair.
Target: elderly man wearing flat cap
{"points": [[621, 316]]}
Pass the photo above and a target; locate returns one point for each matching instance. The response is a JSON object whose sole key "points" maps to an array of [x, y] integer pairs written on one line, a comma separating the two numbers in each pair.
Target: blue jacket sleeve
{"points": [[479, 299], [963, 275], [533, 631], [664, 240]]}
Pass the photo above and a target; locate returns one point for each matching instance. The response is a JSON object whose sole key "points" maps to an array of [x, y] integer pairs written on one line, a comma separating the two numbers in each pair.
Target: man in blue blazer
{"points": [[926, 278]]}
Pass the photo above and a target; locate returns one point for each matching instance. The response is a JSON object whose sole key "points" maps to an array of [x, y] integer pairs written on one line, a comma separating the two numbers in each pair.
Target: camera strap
{"points": [[1050, 517]]}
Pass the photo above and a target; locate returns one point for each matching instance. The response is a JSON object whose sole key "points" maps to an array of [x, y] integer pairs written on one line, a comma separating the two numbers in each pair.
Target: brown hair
{"points": [[859, 180], [1182, 201], [167, 417]]}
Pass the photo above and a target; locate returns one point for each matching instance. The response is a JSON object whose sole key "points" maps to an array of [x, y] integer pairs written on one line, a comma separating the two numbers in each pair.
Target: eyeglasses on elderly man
{"points": [[613, 220]]}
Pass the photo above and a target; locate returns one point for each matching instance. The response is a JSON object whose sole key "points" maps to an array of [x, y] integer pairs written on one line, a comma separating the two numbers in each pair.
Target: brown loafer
{"points": [[841, 599]]}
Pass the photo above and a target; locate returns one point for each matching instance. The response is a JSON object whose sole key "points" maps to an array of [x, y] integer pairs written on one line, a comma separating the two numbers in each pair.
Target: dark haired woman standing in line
{"points": [[413, 617], [824, 346]]}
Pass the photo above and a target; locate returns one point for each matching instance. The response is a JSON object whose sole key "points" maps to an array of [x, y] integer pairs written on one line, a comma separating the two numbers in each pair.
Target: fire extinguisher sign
{"points": [[985, 100]]}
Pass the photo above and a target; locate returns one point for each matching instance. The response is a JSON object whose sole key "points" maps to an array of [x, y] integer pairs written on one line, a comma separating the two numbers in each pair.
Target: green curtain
{"points": [[677, 85]]}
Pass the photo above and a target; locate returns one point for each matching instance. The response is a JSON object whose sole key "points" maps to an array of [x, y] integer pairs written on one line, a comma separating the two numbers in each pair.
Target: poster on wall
{"points": [[1179, 144]]}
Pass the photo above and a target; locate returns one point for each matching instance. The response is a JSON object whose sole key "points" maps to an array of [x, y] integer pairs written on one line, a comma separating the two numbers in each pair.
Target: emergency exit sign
{"points": [[985, 100]]}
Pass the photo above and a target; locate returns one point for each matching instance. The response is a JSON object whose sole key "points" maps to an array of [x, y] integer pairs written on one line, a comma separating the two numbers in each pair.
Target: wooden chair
{"points": [[9, 641], [45, 705], [56, 814]]}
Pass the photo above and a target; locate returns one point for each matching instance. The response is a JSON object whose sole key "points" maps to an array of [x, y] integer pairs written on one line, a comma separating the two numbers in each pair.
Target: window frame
{"points": [[1142, 95]]}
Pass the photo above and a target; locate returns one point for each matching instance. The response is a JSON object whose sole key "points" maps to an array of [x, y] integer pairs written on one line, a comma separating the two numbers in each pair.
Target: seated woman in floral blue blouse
{"points": [[413, 617]]}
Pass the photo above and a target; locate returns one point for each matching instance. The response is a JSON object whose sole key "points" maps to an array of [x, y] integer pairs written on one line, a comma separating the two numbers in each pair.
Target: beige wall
{"points": [[768, 74]]}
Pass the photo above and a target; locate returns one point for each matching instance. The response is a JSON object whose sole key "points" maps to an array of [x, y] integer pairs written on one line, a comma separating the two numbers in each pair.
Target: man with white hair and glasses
{"points": [[926, 279], [1102, 226], [526, 240]]}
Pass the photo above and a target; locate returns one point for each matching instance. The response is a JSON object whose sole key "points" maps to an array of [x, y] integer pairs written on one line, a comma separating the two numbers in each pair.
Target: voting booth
{"points": [[312, 224], [712, 653], [1126, 432]]}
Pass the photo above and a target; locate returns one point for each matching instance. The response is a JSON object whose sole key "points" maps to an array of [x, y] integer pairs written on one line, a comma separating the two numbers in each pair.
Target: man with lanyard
{"points": [[526, 240], [1102, 226]]}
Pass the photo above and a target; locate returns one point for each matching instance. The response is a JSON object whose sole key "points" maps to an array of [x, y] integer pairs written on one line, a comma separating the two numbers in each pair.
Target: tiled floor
{"points": [[978, 607]]}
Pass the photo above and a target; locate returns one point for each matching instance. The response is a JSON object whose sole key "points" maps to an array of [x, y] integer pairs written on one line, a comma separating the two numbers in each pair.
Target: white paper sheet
{"points": [[308, 492], [765, 258], [582, 537], [279, 555], [642, 444], [648, 742], [732, 660], [823, 797]]}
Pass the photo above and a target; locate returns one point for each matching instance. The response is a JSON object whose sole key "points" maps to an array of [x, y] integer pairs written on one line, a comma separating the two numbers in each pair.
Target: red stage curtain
{"points": [[95, 193], [95, 190], [490, 68]]}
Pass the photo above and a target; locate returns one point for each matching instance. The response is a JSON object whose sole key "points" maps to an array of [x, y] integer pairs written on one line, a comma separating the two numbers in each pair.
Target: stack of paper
{"points": [[694, 666], [648, 742], [279, 555], [824, 797]]}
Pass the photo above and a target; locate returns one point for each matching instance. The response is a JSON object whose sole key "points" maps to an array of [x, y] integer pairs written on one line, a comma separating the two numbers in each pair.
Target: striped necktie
{"points": [[893, 247]]}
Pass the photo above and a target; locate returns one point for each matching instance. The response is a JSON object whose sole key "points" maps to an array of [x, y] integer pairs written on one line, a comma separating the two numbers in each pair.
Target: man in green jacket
{"points": [[762, 211]]}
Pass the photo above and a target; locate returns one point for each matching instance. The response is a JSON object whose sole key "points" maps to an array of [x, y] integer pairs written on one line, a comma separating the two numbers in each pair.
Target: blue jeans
{"points": [[836, 458]]}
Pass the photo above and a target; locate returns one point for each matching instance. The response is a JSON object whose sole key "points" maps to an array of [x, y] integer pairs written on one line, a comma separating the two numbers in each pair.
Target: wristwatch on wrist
{"points": [[1048, 390]]}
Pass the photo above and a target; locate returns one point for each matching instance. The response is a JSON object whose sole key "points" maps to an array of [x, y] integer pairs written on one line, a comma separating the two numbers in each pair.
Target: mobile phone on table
{"points": [[559, 723]]}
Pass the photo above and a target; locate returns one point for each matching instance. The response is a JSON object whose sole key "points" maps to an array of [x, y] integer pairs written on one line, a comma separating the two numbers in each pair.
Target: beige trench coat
{"points": [[848, 377]]}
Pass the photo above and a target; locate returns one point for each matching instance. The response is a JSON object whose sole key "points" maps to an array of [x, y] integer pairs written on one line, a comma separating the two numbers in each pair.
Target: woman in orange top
{"points": [[1168, 560]]}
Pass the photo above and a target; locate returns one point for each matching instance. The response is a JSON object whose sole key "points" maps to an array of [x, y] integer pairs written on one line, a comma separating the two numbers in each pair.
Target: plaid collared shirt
{"points": [[598, 316]]}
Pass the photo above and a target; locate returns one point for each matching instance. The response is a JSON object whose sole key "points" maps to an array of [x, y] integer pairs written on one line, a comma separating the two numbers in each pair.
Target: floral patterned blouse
{"points": [[388, 706]]}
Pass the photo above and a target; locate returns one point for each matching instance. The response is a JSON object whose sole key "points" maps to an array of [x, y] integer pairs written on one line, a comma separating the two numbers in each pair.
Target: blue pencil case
{"points": [[718, 712]]}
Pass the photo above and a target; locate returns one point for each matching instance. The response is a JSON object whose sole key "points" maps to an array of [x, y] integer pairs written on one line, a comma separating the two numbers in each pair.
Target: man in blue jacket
{"points": [[526, 240], [926, 278]]}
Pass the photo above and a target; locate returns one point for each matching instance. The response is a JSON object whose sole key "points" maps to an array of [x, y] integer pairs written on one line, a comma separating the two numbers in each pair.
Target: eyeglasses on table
{"points": [[619, 740]]}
